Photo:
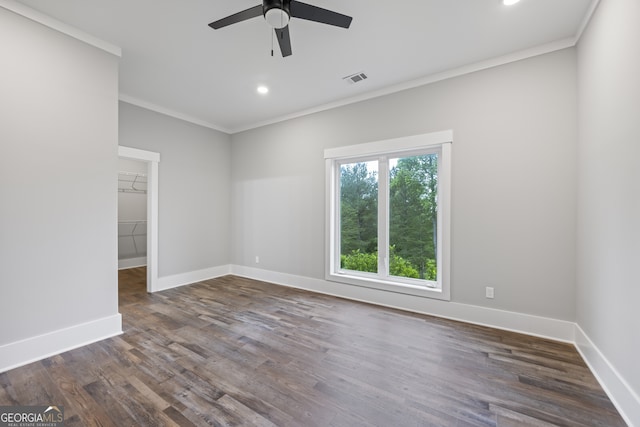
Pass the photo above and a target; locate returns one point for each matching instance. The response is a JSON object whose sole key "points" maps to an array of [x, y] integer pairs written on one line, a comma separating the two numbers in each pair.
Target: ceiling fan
{"points": [[277, 13]]}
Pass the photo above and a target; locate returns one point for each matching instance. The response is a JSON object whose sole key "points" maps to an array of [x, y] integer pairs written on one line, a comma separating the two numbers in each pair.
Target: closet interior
{"points": [[132, 214]]}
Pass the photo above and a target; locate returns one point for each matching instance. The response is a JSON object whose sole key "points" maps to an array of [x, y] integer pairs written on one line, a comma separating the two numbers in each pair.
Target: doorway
{"points": [[142, 182]]}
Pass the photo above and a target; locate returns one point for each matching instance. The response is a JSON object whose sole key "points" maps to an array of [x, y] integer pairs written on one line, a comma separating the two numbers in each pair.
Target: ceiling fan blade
{"points": [[284, 40], [318, 14], [237, 17]]}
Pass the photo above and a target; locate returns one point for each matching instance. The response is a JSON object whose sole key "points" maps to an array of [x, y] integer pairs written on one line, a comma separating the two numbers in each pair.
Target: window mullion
{"points": [[335, 185], [383, 217]]}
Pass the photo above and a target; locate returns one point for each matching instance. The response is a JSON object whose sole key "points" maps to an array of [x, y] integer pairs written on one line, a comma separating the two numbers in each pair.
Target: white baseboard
{"points": [[132, 262], [559, 330], [621, 394], [32, 349], [173, 281], [23, 352], [619, 391]]}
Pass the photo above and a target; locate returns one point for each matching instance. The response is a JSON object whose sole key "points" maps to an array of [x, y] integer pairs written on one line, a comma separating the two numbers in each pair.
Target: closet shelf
{"points": [[132, 238], [132, 228], [132, 182]]}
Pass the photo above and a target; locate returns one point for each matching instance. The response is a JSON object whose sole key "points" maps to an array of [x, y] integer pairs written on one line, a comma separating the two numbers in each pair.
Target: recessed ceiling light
{"points": [[263, 90], [509, 2]]}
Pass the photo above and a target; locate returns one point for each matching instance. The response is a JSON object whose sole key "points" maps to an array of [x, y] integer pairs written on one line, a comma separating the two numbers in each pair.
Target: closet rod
{"points": [[132, 173]]}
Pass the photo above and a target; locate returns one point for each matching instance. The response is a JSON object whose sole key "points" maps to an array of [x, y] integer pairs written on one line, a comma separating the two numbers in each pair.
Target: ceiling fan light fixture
{"points": [[277, 13], [277, 18]]}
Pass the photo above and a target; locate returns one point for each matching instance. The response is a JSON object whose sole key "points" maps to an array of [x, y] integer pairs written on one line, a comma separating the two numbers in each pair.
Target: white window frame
{"points": [[437, 142]]}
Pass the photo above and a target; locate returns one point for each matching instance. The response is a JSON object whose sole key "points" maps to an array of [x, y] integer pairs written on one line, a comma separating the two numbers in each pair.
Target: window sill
{"points": [[389, 286]]}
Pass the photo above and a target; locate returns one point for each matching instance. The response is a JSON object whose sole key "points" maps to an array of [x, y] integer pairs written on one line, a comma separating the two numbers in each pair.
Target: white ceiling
{"points": [[173, 61]]}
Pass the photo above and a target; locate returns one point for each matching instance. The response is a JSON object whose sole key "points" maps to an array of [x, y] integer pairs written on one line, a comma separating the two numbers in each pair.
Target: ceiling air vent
{"points": [[355, 78]]}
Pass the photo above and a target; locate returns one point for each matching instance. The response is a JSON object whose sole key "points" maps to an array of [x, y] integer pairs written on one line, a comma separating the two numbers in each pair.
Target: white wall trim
{"points": [[32, 349], [625, 399], [406, 143], [59, 26], [543, 327], [126, 263], [138, 154], [168, 112], [181, 279]]}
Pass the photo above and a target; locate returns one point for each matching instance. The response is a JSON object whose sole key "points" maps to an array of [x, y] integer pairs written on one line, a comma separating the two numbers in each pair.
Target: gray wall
{"points": [[194, 188], [514, 181], [608, 290], [58, 203]]}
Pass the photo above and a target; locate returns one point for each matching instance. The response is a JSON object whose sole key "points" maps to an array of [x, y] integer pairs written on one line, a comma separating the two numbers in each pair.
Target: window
{"points": [[388, 206]]}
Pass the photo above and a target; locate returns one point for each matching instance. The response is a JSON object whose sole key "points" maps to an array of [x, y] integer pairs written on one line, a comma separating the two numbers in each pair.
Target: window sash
{"points": [[384, 220]]}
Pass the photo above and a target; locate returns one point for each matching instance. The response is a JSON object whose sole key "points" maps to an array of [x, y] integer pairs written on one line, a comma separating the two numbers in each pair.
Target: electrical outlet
{"points": [[257, 259], [489, 292]]}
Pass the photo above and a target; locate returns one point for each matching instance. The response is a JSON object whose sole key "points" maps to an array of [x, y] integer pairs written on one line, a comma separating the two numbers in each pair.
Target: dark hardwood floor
{"points": [[237, 352]]}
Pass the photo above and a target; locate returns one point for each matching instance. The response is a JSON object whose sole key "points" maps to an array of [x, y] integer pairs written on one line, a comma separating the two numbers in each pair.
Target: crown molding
{"points": [[169, 112], [54, 24], [456, 72], [587, 18]]}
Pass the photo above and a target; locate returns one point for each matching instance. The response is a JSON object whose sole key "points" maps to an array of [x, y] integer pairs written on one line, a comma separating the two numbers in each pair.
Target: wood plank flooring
{"points": [[237, 352]]}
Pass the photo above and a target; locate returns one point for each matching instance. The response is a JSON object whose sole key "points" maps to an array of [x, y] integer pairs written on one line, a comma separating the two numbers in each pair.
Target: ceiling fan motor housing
{"points": [[276, 12]]}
